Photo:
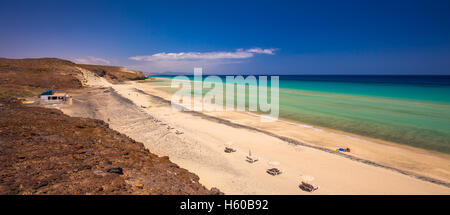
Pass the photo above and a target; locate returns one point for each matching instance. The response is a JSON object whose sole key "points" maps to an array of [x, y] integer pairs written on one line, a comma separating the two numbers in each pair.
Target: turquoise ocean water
{"points": [[411, 110]]}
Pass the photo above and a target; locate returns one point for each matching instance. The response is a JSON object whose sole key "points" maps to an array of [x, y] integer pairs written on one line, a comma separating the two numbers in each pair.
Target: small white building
{"points": [[56, 98]]}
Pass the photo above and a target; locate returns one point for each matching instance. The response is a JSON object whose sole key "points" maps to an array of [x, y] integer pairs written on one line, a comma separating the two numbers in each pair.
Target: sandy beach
{"points": [[196, 141]]}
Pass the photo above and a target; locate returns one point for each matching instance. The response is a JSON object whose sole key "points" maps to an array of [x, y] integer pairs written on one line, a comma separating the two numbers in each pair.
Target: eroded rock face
{"points": [[114, 73], [43, 151]]}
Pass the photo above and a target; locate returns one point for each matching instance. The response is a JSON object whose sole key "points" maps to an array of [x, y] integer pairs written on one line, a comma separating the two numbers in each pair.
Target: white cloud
{"points": [[195, 56], [92, 60], [262, 51]]}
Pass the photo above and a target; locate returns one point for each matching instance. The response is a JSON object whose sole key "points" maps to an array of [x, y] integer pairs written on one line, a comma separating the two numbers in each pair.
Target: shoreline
{"points": [[195, 141], [296, 142], [358, 137], [362, 137], [372, 149], [372, 140]]}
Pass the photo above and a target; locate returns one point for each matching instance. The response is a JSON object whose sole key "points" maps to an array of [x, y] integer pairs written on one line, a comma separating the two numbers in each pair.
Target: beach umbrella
{"points": [[307, 177], [273, 163], [229, 144]]}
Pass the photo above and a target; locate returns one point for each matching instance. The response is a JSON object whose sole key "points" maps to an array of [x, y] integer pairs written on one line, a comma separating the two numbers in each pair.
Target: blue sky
{"points": [[235, 37]]}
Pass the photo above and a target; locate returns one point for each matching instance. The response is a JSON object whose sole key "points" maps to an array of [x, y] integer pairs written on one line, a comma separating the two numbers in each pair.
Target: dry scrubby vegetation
{"points": [[42, 73], [43, 151], [57, 73]]}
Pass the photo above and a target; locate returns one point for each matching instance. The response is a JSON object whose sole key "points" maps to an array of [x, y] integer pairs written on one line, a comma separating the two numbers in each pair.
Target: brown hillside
{"points": [[42, 73], [43, 151], [57, 73]]}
